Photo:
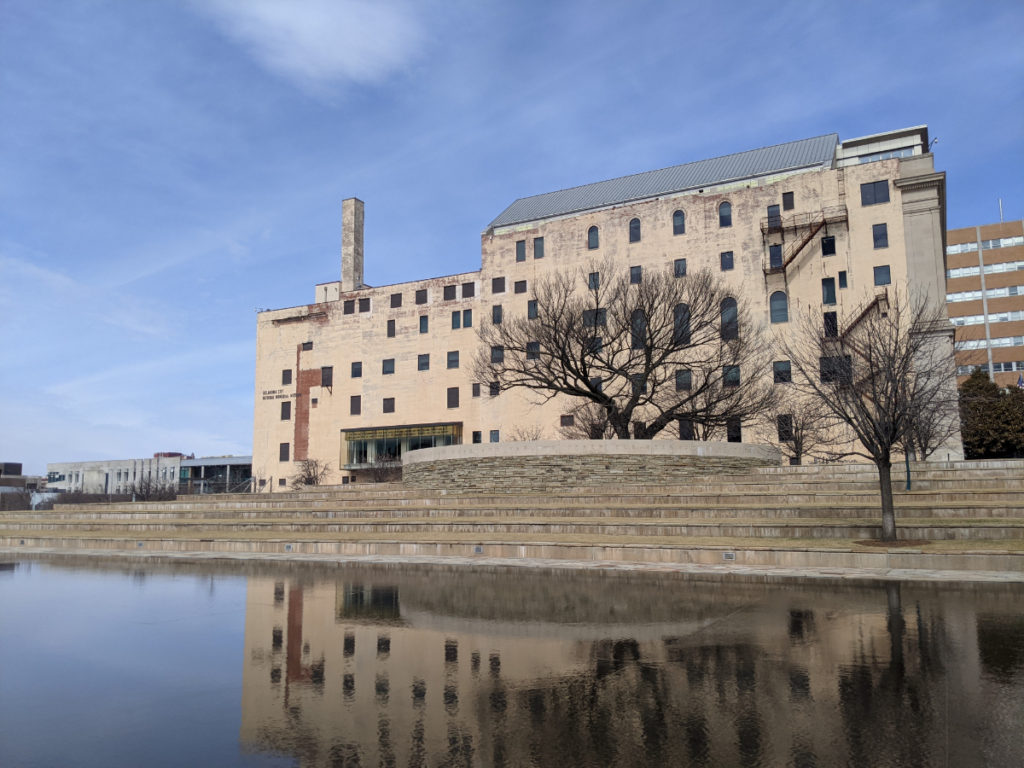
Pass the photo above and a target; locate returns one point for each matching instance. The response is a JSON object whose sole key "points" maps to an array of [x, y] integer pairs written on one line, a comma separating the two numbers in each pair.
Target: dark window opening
{"points": [[307, 346], [782, 372], [787, 201], [456, 319], [396, 300], [733, 430], [730, 319], [882, 276], [424, 324], [355, 405], [828, 245], [636, 274], [283, 452], [478, 436], [828, 290], [638, 329], [681, 324], [286, 410], [453, 397], [874, 192], [775, 256], [467, 318], [679, 268], [538, 247], [678, 223], [520, 250], [421, 296], [453, 359], [594, 281], [387, 366], [778, 307], [531, 309], [364, 304], [497, 354], [497, 285], [327, 376], [684, 380], [388, 406], [533, 350], [784, 426], [496, 314], [730, 375], [476, 389], [880, 235], [566, 420], [357, 369], [493, 388], [774, 216], [391, 329], [831, 322], [495, 436], [835, 369], [423, 362], [350, 306], [448, 292], [592, 239], [634, 230], [468, 290], [686, 430], [286, 376], [842, 279], [725, 260], [592, 318], [519, 286], [725, 215]]}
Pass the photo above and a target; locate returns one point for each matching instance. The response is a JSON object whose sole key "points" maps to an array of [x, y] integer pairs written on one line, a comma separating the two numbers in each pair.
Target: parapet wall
{"points": [[542, 464]]}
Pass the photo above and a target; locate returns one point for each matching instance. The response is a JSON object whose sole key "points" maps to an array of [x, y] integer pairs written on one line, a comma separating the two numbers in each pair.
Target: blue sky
{"points": [[167, 167]]}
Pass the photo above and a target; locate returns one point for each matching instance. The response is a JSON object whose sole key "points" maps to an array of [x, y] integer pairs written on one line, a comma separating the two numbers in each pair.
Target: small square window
{"points": [[842, 279], [391, 329], [725, 258], [478, 436], [787, 201], [350, 306], [520, 250], [286, 411], [497, 285], [679, 268], [423, 362], [533, 350], [468, 290], [453, 397], [882, 276], [538, 247], [307, 346], [497, 354], [283, 452], [592, 318], [519, 286], [880, 234], [496, 314], [387, 366], [566, 420], [782, 372], [730, 375], [388, 405], [357, 369], [396, 300], [467, 318], [456, 320], [355, 405], [286, 376], [327, 376], [424, 324], [594, 281], [495, 436], [828, 245], [684, 380], [635, 275], [449, 292], [493, 388], [874, 192], [281, 481], [453, 359], [364, 304], [531, 309], [476, 389], [421, 296]]}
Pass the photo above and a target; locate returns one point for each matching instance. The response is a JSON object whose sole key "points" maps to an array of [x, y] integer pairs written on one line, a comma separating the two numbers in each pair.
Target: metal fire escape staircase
{"points": [[799, 230]]}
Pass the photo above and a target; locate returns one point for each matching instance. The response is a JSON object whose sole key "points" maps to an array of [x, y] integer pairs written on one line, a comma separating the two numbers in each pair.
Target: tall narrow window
{"points": [[286, 376], [327, 376], [679, 268], [423, 362], [357, 369], [725, 260], [531, 309], [734, 430], [686, 430], [681, 318], [842, 279], [725, 215], [594, 281], [538, 247], [782, 372], [730, 375], [467, 318], [831, 323], [636, 274], [593, 239], [286, 412], [678, 223], [283, 452], [828, 290], [787, 201], [453, 397], [453, 359], [730, 319], [456, 319], [520, 250], [775, 256], [634, 230], [533, 350], [880, 234], [391, 329], [774, 217], [778, 306], [496, 314], [638, 329], [828, 245], [497, 354], [424, 324], [784, 424], [684, 380]]}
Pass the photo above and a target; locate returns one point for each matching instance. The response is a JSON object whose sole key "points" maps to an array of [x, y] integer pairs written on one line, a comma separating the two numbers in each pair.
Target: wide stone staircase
{"points": [[959, 516]]}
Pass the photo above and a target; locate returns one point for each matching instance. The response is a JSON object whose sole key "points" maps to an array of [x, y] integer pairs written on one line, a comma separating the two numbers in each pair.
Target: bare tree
{"points": [[804, 427], [875, 372], [150, 488], [586, 420], [310, 472], [525, 433], [386, 468], [646, 353]]}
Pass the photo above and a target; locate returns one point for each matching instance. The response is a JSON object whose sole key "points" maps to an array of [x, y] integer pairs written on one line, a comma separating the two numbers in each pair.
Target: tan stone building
{"points": [[811, 227], [985, 299]]}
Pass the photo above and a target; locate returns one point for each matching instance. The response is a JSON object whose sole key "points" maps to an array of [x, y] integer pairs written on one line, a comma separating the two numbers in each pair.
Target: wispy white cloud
{"points": [[319, 43]]}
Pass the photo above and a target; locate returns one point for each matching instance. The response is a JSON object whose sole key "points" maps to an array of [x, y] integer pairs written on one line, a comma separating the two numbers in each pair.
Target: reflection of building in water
{"points": [[453, 671]]}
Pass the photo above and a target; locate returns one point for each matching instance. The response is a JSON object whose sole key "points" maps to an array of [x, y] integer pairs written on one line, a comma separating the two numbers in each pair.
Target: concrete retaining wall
{"points": [[543, 464]]}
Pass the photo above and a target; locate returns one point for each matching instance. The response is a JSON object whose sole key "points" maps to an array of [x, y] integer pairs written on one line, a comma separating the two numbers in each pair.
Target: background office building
{"points": [[172, 470], [817, 227], [985, 295]]}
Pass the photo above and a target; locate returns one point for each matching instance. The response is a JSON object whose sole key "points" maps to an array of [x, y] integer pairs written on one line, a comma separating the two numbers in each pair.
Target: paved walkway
{"points": [[724, 570]]}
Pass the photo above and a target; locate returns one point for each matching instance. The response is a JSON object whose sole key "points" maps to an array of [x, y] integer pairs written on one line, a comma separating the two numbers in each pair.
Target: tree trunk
{"points": [[888, 513]]}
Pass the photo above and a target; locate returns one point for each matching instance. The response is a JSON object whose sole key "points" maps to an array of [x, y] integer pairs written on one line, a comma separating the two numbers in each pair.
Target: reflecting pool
{"points": [[117, 664]]}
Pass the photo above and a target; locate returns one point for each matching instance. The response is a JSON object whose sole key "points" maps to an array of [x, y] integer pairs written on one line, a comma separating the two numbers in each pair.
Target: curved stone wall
{"points": [[541, 464]]}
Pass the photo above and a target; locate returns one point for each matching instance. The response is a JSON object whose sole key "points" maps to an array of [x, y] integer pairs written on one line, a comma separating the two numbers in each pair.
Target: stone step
{"points": [[979, 556], [931, 529]]}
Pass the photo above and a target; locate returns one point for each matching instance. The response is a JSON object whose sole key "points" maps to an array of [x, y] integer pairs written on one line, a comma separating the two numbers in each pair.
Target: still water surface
{"points": [[117, 665]]}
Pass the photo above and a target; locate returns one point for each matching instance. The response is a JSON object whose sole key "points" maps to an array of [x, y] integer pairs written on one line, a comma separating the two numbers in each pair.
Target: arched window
{"points": [[730, 320], [725, 215], [778, 306], [638, 323], [682, 324], [592, 239], [634, 230], [678, 223]]}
